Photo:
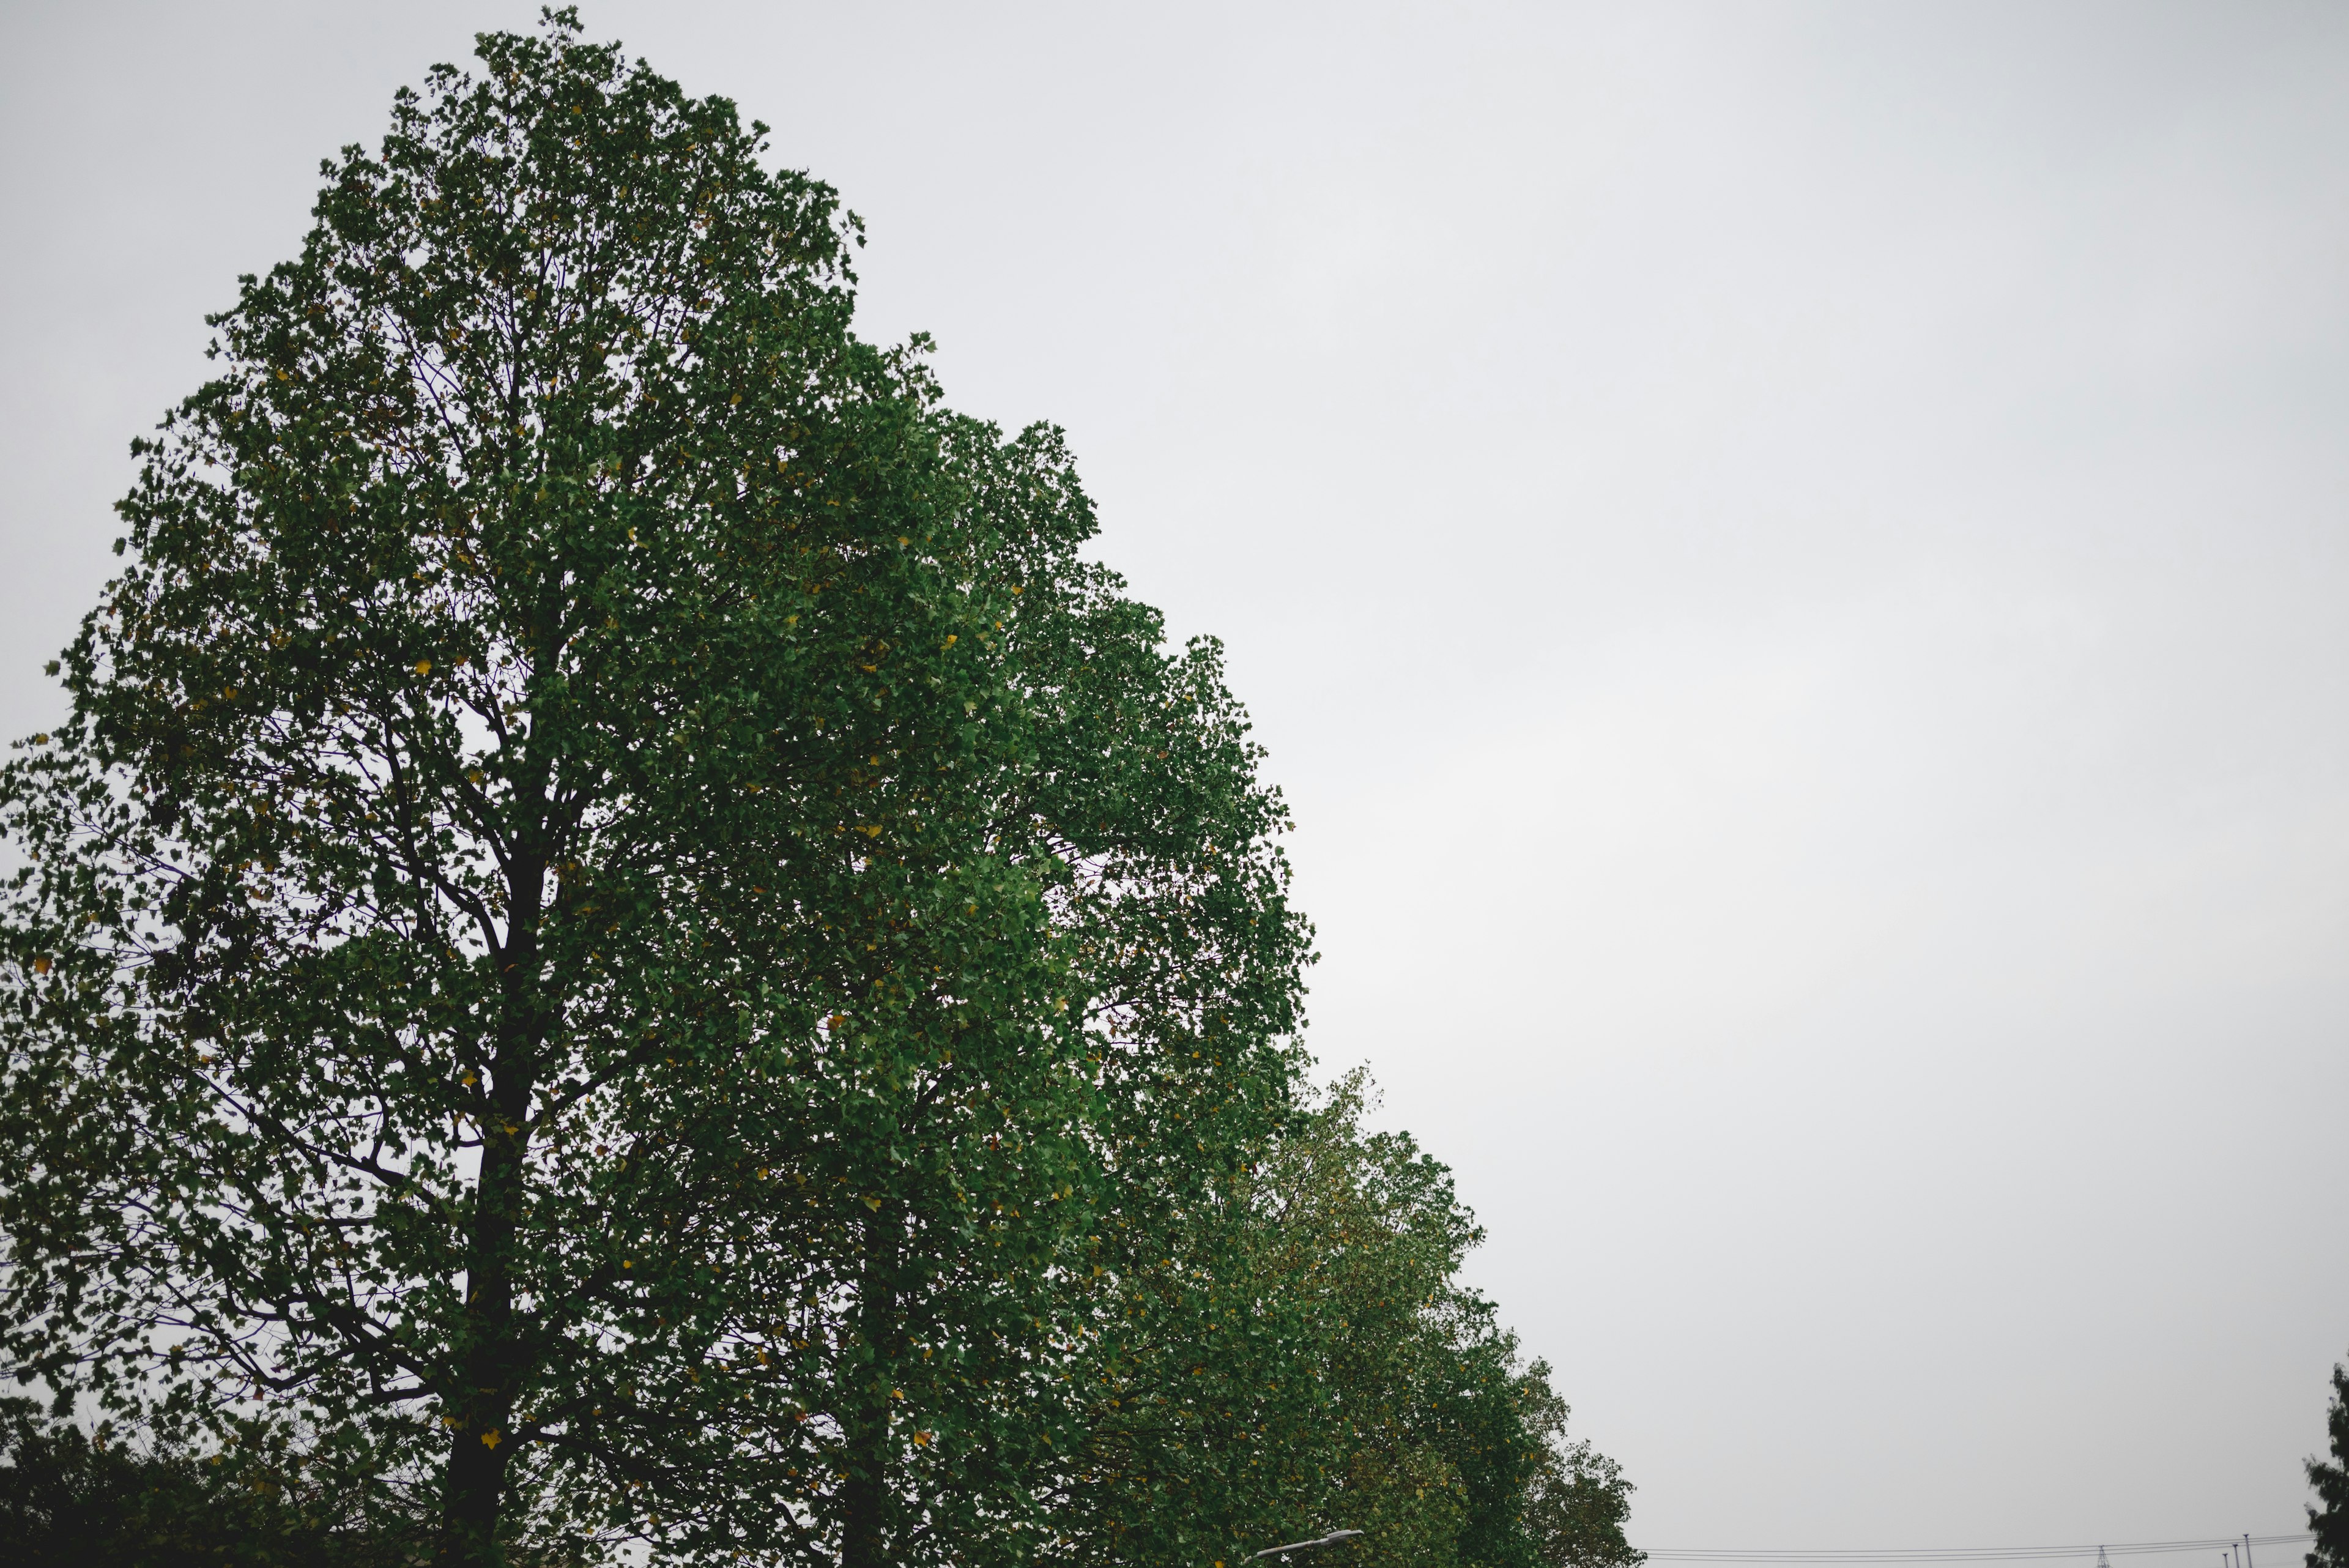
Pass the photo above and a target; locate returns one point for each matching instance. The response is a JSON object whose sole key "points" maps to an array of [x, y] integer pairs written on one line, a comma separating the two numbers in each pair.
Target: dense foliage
{"points": [[623, 941]]}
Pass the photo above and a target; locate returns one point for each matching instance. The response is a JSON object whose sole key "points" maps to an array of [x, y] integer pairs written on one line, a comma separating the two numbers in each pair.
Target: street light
{"points": [[1332, 1539]]}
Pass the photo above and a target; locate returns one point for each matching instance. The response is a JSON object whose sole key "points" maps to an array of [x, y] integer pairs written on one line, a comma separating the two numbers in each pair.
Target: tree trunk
{"points": [[865, 1537], [481, 1443]]}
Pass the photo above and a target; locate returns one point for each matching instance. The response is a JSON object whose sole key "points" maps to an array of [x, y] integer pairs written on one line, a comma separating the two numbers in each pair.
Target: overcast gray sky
{"points": [[1791, 560]]}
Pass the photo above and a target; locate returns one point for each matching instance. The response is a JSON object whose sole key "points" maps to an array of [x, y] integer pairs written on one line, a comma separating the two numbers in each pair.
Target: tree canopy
{"points": [[622, 941]]}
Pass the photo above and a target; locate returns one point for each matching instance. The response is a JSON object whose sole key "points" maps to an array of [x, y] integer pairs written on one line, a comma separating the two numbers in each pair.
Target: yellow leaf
{"points": [[489, 1439], [423, 667]]}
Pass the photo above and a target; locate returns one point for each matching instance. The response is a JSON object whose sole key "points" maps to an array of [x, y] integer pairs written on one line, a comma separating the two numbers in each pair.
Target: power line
{"points": [[1967, 1554]]}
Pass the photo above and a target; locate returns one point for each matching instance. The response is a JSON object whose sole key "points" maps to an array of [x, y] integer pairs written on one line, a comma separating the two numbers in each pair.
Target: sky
{"points": [[1789, 559]]}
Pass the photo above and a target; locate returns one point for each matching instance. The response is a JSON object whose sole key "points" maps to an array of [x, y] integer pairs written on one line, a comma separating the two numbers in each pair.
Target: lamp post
{"points": [[1332, 1539]]}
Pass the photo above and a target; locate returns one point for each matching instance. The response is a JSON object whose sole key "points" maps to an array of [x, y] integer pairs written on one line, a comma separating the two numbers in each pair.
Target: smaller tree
{"points": [[1577, 1503], [71, 1499], [2330, 1524], [1298, 1355]]}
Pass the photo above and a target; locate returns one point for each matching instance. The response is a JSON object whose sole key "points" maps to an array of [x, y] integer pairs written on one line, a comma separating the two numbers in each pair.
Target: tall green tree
{"points": [[618, 924], [2328, 1517]]}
